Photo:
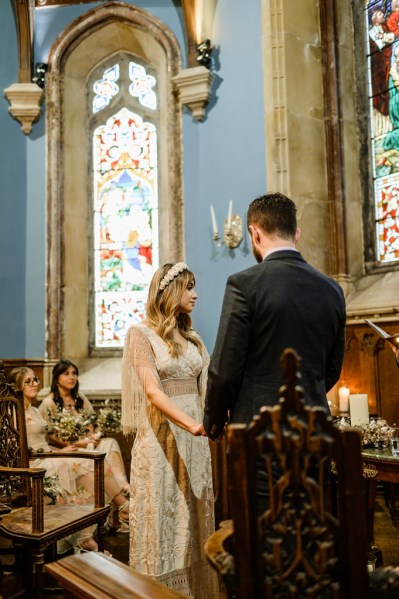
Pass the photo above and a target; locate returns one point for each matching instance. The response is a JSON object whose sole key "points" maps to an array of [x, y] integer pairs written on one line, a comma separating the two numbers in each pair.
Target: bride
{"points": [[163, 383]]}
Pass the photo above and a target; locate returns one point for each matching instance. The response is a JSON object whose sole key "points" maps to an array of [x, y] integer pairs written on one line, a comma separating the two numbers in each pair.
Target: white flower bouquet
{"points": [[376, 433], [69, 427], [51, 487], [108, 419]]}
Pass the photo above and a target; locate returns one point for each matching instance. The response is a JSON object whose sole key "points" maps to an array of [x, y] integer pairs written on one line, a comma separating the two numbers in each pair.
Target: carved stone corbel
{"points": [[25, 100], [194, 86], [25, 97]]}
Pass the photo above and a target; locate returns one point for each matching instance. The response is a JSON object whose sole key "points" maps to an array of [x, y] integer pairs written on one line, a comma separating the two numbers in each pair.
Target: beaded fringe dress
{"points": [[171, 497]]}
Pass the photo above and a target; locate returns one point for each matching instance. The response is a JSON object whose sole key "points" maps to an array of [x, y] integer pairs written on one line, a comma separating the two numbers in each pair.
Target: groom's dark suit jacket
{"points": [[281, 302]]}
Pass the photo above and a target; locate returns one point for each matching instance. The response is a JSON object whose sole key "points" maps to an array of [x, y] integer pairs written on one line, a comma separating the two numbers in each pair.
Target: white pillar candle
{"points": [[214, 223], [359, 409], [343, 394], [230, 214]]}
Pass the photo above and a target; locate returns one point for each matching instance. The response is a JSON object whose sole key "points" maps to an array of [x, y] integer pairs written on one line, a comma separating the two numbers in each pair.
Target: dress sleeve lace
{"points": [[138, 364]]}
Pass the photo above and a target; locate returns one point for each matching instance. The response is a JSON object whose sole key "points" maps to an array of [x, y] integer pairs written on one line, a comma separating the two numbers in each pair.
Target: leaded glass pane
{"points": [[382, 23], [141, 86], [125, 222], [105, 88], [387, 196]]}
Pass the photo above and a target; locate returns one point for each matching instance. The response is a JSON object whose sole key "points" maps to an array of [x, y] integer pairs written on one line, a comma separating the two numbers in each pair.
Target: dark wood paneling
{"points": [[36, 364], [370, 367]]}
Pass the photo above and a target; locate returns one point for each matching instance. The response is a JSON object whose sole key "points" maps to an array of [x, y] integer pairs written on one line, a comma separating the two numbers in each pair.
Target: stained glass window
{"points": [[382, 23], [105, 88], [125, 222], [141, 86]]}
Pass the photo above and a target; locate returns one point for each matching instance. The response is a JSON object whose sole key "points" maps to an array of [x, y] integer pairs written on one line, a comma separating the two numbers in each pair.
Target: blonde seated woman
{"points": [[75, 475]]}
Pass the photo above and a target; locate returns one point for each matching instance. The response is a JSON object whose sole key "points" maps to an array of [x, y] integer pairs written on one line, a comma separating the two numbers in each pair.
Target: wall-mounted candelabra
{"points": [[232, 228]]}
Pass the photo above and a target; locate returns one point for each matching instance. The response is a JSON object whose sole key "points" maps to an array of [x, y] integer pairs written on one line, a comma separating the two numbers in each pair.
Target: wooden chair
{"points": [[303, 544], [30, 523], [96, 576]]}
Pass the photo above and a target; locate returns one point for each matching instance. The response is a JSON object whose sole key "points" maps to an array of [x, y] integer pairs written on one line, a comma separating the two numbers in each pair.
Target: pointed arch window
{"points": [[125, 198]]}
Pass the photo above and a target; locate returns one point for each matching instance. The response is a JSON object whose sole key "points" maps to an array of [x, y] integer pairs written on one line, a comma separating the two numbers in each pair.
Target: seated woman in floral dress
{"points": [[74, 476], [65, 396]]}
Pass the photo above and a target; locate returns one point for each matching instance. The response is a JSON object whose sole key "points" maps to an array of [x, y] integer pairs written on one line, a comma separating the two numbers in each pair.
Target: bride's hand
{"points": [[198, 430]]}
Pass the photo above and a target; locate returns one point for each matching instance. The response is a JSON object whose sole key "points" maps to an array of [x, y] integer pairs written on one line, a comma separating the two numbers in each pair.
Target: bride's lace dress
{"points": [[171, 501]]}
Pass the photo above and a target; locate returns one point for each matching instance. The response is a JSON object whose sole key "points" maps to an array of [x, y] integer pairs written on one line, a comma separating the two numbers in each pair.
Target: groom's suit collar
{"points": [[283, 253]]}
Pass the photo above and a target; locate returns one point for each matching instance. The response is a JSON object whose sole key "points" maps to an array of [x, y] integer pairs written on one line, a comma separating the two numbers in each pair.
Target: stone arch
{"points": [[75, 52]]}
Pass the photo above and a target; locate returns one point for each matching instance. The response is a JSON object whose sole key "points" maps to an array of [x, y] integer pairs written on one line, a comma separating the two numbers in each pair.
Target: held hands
{"points": [[198, 430]]}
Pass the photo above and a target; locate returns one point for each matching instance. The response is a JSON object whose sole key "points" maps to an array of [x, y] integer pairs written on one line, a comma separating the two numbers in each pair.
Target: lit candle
{"points": [[359, 409], [229, 214], [343, 395], [214, 223]]}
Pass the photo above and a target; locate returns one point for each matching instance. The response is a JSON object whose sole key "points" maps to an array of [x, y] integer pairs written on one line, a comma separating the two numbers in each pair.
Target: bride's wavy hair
{"points": [[162, 309]]}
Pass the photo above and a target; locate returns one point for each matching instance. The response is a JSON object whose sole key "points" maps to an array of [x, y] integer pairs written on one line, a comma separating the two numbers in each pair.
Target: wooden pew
{"points": [[94, 575]]}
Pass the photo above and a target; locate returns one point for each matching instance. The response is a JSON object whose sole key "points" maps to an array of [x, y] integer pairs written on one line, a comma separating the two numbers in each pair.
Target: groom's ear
{"points": [[254, 233]]}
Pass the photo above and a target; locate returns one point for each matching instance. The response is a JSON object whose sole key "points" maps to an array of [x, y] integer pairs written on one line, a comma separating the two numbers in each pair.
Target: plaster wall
{"points": [[13, 198], [267, 86]]}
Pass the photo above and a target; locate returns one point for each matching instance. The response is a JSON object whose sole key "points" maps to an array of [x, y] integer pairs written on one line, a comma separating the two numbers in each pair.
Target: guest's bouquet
{"points": [[108, 419], [69, 427], [374, 434]]}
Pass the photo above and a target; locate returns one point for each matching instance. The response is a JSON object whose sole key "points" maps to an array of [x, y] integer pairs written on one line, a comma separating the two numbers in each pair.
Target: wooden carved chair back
{"points": [[14, 491], [299, 545]]}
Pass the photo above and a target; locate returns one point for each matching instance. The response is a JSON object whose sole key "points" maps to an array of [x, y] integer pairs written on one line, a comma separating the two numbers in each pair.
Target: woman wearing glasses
{"points": [[75, 475]]}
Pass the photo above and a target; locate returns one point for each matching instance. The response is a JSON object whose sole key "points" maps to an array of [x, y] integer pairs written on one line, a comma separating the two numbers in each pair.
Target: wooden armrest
{"points": [[216, 551], [4, 509], [96, 456], [94, 575], [33, 472], [91, 455]]}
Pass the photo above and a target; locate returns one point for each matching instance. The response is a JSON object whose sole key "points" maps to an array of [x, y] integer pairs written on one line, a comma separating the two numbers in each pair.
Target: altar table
{"points": [[378, 465]]}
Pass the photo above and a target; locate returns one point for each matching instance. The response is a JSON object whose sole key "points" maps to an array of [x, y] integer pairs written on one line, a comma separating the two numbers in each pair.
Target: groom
{"points": [[280, 302]]}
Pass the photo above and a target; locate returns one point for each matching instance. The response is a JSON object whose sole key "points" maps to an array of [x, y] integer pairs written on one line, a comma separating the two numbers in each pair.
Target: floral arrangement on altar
{"points": [[69, 427], [376, 433]]}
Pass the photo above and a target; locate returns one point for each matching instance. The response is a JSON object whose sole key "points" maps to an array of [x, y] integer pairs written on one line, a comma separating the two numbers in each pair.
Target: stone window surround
{"points": [[84, 44]]}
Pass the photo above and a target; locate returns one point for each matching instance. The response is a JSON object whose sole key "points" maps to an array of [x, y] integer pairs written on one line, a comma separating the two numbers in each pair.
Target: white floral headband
{"points": [[172, 274]]}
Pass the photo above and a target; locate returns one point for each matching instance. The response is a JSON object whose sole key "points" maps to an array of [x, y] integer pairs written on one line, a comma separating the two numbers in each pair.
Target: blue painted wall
{"points": [[12, 202], [227, 160], [224, 158]]}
